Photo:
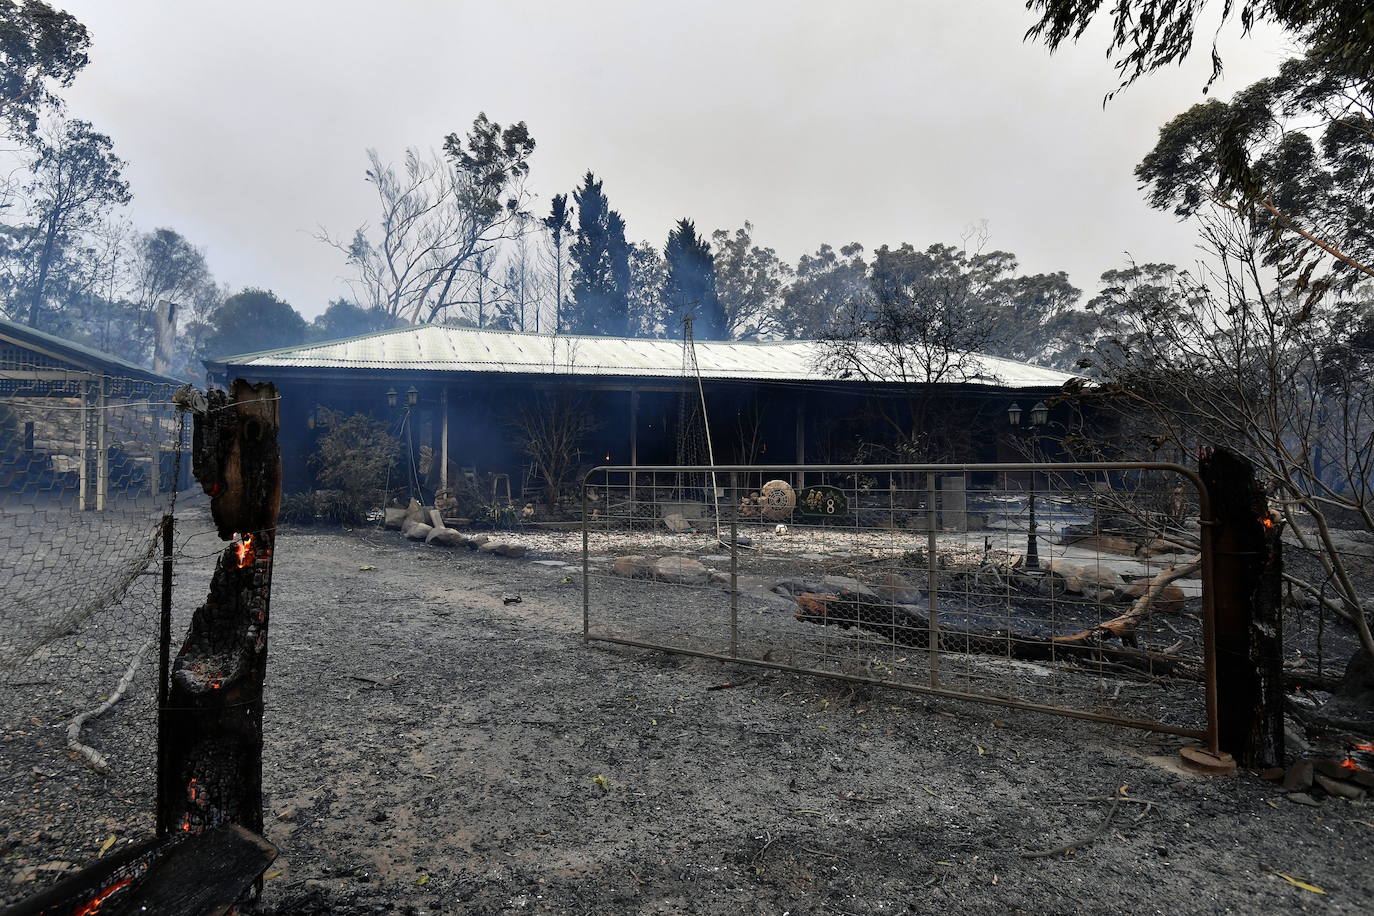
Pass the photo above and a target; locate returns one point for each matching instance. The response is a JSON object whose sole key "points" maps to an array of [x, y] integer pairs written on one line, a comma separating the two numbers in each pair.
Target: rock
{"points": [[1295, 737], [793, 587], [1299, 777], [849, 588], [416, 531], [477, 540], [633, 567], [676, 523], [894, 589], [680, 571], [445, 537], [1272, 774], [1325, 766], [514, 551], [1169, 600], [718, 578], [488, 545], [1083, 579], [1339, 787], [1352, 705], [415, 512], [1302, 798], [558, 563], [393, 517]]}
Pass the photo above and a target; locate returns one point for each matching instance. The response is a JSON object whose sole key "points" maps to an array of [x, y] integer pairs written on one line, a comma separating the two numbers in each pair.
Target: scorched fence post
{"points": [[212, 740], [1247, 570]]}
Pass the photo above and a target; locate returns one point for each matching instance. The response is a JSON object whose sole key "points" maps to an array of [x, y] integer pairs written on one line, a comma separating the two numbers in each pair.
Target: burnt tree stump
{"points": [[1247, 572], [210, 741]]}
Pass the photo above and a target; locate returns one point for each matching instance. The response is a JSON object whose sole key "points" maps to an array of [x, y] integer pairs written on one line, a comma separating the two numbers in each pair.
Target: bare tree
{"points": [[1246, 366], [918, 327], [440, 216]]}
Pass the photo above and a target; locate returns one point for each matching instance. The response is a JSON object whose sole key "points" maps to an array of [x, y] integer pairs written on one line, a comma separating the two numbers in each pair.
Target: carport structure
{"points": [[75, 419]]}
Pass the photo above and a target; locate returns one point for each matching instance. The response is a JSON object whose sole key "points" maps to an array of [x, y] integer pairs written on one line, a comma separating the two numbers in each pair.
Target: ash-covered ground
{"points": [[431, 748]]}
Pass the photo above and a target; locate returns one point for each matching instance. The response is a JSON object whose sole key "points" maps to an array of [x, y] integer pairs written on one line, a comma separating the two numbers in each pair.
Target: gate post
{"points": [[1245, 544]]}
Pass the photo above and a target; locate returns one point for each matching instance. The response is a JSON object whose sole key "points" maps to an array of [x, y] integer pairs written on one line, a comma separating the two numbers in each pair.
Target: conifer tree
{"points": [[601, 265], [691, 286]]}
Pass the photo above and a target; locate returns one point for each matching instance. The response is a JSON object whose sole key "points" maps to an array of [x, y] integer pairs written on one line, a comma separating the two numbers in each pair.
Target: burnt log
{"points": [[182, 875], [911, 627], [210, 740]]}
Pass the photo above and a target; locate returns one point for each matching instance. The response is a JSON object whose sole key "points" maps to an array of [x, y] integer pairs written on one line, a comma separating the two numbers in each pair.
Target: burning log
{"points": [[210, 767], [173, 876]]}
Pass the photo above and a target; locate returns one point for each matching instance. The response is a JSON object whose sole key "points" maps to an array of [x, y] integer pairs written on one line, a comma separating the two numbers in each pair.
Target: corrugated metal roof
{"points": [[79, 354], [454, 349]]}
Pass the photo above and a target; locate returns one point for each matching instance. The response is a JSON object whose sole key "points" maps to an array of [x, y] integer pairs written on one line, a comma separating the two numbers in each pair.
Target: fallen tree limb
{"points": [[1123, 626], [94, 758]]}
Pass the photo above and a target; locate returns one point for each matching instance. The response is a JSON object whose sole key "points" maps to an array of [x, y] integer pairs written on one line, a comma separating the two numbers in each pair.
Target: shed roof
{"points": [[446, 348], [48, 349]]}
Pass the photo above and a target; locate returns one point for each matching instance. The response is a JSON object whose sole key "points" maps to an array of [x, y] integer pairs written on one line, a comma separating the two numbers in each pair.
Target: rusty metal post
{"points": [[734, 564], [932, 580], [586, 562]]}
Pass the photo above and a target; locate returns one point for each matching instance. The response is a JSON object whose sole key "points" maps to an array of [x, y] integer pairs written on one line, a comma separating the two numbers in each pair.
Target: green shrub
{"points": [[354, 459]]}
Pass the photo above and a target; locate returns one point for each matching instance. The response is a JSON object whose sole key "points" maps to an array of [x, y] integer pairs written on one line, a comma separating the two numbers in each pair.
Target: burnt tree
{"points": [[210, 746]]}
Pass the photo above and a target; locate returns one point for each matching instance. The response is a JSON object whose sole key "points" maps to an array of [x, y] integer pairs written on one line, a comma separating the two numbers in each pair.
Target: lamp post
{"points": [[1038, 415]]}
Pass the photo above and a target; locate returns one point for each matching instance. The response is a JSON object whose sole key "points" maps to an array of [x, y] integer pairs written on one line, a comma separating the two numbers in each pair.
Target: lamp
{"points": [[1014, 414], [1038, 414], [413, 396], [391, 397]]}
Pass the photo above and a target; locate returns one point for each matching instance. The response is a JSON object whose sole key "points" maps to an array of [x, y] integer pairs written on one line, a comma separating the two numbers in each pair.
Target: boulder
{"points": [[445, 537], [633, 567], [477, 540], [1169, 600], [415, 512], [895, 589], [416, 531], [514, 551], [488, 545], [1083, 579], [677, 523], [680, 571], [847, 587], [791, 588], [394, 517]]}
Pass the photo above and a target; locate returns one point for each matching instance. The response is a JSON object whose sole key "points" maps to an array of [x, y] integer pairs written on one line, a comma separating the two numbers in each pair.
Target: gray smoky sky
{"points": [[245, 124]]}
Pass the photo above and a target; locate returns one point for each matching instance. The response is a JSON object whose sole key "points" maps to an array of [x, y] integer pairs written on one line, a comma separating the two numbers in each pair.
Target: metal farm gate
{"points": [[1077, 589]]}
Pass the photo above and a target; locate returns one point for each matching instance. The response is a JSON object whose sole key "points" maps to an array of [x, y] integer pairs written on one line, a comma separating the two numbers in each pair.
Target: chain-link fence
{"points": [[1074, 590], [89, 466]]}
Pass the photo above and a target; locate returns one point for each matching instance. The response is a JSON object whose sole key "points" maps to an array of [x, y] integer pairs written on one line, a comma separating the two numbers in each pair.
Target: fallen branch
{"points": [[94, 758], [1077, 844], [1123, 626]]}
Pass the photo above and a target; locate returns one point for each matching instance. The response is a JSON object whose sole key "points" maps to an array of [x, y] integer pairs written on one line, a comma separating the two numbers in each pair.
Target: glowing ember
{"points": [[1268, 522], [90, 909], [243, 551]]}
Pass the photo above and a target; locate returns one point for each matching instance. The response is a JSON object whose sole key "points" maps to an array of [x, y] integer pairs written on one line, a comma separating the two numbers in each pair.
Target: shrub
{"points": [[354, 459]]}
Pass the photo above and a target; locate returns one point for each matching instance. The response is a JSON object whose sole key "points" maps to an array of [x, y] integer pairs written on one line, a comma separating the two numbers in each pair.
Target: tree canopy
{"points": [[690, 289], [252, 320], [601, 266]]}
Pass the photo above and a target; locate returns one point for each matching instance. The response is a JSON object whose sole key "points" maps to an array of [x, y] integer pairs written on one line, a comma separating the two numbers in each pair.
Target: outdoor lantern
{"points": [[1014, 414], [391, 397], [1039, 414], [413, 397]]}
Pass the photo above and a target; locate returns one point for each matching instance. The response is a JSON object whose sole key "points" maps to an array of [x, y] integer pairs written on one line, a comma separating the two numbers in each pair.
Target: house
{"points": [[457, 394]]}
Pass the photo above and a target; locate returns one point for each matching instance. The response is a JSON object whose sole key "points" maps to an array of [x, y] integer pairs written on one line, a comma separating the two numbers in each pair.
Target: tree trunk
{"points": [[210, 768]]}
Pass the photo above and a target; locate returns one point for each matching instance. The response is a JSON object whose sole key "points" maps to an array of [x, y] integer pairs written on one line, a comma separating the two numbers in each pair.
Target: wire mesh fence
{"points": [[89, 465], [1077, 589]]}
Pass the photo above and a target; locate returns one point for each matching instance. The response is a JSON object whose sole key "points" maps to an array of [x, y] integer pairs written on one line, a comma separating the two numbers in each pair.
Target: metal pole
{"points": [[102, 455], [733, 502], [1032, 542], [83, 450], [443, 438], [586, 581], [932, 581], [164, 672]]}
